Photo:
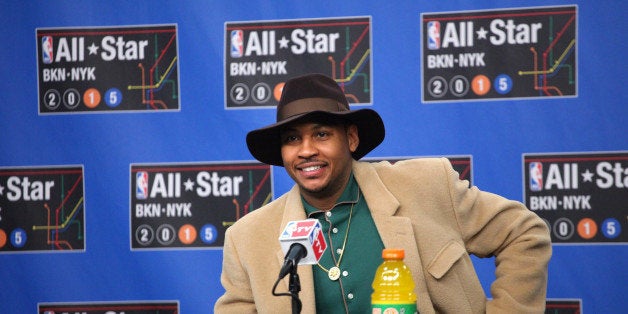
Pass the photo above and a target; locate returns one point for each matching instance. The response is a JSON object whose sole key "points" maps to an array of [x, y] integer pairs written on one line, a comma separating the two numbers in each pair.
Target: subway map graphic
{"points": [[499, 54], [191, 205], [42, 209], [115, 69], [261, 56]]}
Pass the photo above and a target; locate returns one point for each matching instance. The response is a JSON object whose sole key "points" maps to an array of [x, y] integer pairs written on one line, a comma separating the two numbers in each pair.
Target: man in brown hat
{"points": [[419, 205]]}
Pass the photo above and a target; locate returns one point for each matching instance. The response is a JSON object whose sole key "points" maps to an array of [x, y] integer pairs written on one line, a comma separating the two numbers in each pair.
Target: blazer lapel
{"points": [[395, 231]]}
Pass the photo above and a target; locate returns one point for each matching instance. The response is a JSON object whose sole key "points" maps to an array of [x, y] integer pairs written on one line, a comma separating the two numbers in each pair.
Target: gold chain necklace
{"points": [[334, 272]]}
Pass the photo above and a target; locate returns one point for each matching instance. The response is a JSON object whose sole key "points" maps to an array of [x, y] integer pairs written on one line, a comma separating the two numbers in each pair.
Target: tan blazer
{"points": [[419, 205]]}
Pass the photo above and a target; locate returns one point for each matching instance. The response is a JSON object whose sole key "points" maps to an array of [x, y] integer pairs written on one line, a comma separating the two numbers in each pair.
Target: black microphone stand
{"points": [[295, 287], [295, 254]]}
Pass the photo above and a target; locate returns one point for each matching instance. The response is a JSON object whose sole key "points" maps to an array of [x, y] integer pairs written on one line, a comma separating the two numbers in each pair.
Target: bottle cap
{"points": [[393, 253]]}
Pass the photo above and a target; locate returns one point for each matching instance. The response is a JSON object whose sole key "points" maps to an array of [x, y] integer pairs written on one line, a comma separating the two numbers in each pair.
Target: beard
{"points": [[331, 188]]}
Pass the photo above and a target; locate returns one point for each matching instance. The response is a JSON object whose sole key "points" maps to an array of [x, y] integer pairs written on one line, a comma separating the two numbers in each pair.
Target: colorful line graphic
{"points": [[510, 53], [42, 209]]}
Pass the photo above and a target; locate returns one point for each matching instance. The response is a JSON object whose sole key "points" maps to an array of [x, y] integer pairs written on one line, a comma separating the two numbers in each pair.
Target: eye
{"points": [[289, 139], [322, 134]]}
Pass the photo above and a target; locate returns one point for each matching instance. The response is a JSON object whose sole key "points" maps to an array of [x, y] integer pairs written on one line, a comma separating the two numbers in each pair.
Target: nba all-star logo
{"points": [[583, 197], [469, 55], [106, 69]]}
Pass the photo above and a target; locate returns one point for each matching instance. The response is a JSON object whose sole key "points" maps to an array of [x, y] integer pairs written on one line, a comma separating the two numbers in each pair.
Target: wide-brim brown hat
{"points": [[314, 97]]}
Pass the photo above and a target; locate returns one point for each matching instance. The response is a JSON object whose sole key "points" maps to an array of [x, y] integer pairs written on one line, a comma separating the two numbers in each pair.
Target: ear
{"points": [[353, 137]]}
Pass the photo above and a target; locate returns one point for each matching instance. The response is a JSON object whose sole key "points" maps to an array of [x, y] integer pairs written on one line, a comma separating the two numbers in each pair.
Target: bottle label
{"points": [[394, 308]]}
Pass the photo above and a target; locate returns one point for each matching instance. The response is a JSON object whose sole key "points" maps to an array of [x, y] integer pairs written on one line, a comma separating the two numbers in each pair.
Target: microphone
{"points": [[303, 243]]}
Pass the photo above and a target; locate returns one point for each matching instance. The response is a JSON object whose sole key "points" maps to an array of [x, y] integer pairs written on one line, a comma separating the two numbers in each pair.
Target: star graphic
{"points": [[283, 42], [587, 176], [481, 33], [93, 49], [189, 185]]}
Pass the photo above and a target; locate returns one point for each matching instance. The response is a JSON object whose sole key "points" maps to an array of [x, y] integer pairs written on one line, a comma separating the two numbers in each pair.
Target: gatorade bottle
{"points": [[393, 287]]}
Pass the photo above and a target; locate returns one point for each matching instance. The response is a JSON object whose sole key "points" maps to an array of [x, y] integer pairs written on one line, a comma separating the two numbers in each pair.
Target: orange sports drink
{"points": [[393, 286]]}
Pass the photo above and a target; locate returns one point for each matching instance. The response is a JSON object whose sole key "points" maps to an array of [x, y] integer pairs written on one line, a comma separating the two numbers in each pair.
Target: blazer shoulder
{"points": [[431, 166]]}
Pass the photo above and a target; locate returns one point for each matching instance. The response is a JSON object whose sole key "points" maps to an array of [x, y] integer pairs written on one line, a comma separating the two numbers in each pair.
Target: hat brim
{"points": [[265, 143]]}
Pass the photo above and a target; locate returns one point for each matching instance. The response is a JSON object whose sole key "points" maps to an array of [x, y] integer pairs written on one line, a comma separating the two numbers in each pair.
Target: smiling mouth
{"points": [[311, 168]]}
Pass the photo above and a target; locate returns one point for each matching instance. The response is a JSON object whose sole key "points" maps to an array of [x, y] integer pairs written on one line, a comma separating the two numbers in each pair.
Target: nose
{"points": [[307, 149]]}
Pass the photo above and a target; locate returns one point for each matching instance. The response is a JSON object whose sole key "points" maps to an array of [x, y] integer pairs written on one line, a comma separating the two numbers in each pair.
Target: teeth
{"points": [[311, 168]]}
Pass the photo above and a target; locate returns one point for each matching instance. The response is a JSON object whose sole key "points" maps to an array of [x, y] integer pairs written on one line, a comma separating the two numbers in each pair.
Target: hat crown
{"points": [[317, 87]]}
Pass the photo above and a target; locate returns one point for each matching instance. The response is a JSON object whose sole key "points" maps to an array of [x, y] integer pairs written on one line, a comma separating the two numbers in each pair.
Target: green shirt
{"points": [[351, 292]]}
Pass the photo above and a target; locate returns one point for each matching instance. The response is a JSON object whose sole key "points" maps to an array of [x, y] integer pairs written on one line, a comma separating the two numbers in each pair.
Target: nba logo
{"points": [[433, 35], [141, 185], [536, 176], [46, 49], [237, 43]]}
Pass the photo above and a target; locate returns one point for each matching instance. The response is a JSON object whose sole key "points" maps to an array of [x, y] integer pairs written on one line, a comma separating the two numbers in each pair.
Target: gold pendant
{"points": [[333, 273]]}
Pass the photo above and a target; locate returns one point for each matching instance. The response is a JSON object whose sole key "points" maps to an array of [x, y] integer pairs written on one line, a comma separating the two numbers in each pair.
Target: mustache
{"points": [[311, 160]]}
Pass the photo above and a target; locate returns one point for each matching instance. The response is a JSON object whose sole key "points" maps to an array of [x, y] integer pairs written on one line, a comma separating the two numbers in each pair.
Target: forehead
{"points": [[314, 122], [305, 127]]}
